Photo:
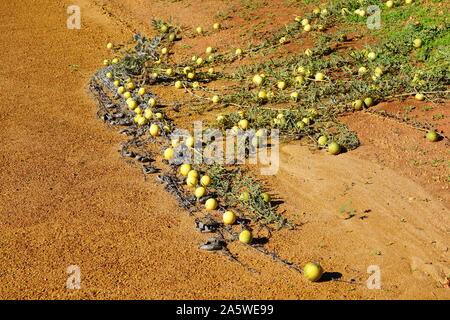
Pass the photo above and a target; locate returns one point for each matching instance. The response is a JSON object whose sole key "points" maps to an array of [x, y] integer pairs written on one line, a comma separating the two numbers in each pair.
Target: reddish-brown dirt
{"points": [[66, 198]]}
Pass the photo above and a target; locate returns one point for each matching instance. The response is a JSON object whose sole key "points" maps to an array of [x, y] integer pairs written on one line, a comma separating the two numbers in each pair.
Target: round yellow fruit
{"points": [[417, 43], [193, 173], [306, 121], [109, 75], [154, 130], [211, 71], [168, 153], [152, 102], [209, 50], [121, 90], [319, 76], [334, 148], [186, 70], [245, 196], [378, 71], [169, 71], [131, 86], [266, 197], [229, 217], [358, 104], [368, 101], [191, 181], [142, 121], [305, 22], [199, 30], [420, 97], [389, 4], [211, 204], [299, 79], [258, 80], [260, 132], [243, 124], [175, 143], [185, 168], [205, 181], [262, 95], [313, 112], [127, 95], [432, 136], [301, 70], [308, 52], [142, 91], [164, 51], [362, 70], [116, 83], [148, 114], [138, 110], [372, 55], [281, 85], [190, 142], [294, 95], [128, 101], [178, 84], [191, 75], [300, 125], [199, 61], [238, 52], [313, 271], [215, 99], [159, 115], [322, 140], [245, 236], [115, 61], [307, 28], [195, 85], [216, 26], [200, 192], [106, 62], [132, 104]]}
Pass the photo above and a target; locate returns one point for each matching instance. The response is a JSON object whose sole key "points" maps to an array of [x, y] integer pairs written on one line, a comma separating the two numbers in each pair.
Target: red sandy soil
{"points": [[66, 198]]}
